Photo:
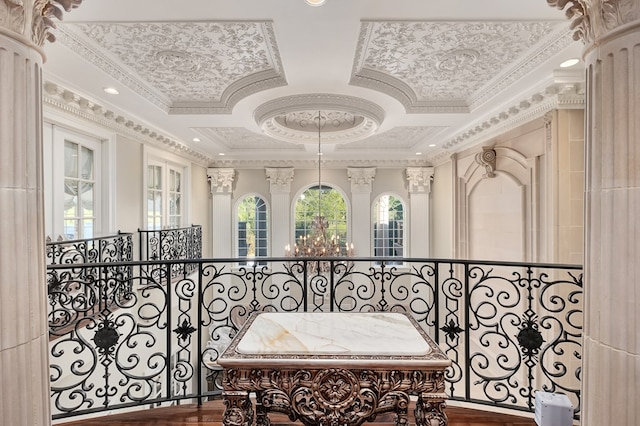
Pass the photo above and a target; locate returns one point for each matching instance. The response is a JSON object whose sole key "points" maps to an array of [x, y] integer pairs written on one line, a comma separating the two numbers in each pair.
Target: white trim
{"points": [[77, 126], [168, 160]]}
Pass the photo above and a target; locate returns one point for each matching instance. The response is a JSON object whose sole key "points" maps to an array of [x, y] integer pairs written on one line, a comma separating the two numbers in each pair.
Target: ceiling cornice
{"points": [[566, 91], [63, 99]]}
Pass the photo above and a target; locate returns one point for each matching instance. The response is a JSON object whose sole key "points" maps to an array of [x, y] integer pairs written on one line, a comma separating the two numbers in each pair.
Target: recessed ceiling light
{"points": [[111, 90], [196, 139], [315, 2], [221, 154], [418, 153], [432, 145], [569, 63]]}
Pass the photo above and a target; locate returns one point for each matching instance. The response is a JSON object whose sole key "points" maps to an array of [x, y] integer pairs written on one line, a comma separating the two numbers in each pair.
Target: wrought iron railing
{"points": [[114, 250], [172, 244], [509, 328]]}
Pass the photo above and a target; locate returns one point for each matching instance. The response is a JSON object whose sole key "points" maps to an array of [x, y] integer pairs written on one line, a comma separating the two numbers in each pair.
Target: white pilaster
{"points": [[611, 349], [280, 180], [24, 336], [361, 179], [419, 179], [221, 181]]}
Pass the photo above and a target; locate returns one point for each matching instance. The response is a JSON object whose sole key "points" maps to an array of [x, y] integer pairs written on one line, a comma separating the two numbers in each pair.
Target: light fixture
{"points": [[111, 90], [315, 2], [569, 63], [196, 139], [432, 145], [318, 243]]}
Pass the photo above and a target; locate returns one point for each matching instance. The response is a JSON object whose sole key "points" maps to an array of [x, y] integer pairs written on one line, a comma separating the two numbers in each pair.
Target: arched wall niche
{"points": [[497, 208]]}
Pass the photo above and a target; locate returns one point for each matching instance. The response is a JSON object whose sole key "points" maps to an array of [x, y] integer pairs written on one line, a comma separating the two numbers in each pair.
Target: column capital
{"points": [[361, 178], [221, 180], [31, 20], [280, 179], [593, 19], [420, 179]]}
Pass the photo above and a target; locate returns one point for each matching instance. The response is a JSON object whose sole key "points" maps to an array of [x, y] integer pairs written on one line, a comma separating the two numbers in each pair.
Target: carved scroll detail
{"points": [[594, 18], [14, 16]]}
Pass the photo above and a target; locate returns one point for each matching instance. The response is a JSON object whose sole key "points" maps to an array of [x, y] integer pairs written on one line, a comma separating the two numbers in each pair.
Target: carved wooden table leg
{"points": [[402, 408], [262, 418], [238, 409], [430, 411]]}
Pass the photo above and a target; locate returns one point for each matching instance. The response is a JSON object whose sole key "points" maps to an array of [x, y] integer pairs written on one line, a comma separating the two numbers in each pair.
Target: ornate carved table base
{"points": [[331, 377], [333, 396]]}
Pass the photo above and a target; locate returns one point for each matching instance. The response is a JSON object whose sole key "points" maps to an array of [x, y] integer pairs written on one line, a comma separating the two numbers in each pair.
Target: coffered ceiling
{"points": [[246, 82]]}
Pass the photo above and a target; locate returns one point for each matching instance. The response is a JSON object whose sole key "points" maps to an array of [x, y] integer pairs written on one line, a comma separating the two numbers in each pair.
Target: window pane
{"points": [[70, 198], [252, 222], [71, 229], [327, 203], [87, 228], [70, 159], [86, 163], [388, 227], [157, 179], [87, 198]]}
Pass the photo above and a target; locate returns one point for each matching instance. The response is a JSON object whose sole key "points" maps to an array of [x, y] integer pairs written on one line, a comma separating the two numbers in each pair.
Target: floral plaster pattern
{"points": [[198, 67], [442, 66]]}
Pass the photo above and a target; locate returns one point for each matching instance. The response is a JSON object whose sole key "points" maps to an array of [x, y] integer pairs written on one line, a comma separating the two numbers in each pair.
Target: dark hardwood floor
{"points": [[210, 414]]}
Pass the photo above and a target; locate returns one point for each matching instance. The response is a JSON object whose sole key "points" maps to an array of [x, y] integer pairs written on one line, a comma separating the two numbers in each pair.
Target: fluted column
{"points": [[280, 180], [361, 179], [24, 338], [611, 352], [419, 179], [221, 180]]}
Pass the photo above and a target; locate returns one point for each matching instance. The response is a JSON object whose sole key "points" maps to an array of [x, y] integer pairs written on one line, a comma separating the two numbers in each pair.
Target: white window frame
{"points": [[57, 129], [236, 247], [167, 161], [405, 228]]}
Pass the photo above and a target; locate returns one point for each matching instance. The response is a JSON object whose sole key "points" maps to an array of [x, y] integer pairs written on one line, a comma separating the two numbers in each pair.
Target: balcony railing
{"points": [[509, 328], [172, 244]]}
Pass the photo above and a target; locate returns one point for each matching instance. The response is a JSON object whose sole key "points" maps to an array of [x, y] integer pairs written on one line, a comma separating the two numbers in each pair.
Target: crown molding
{"points": [[60, 98]]}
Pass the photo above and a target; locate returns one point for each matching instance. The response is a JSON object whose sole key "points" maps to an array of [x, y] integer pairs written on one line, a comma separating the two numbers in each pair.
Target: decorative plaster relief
{"points": [[420, 179], [33, 19], [280, 179], [343, 119], [594, 18], [221, 180], [361, 178], [200, 67], [487, 159], [440, 66]]}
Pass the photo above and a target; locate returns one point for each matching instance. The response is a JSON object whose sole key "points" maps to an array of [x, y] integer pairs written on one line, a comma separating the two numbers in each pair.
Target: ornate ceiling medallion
{"points": [[342, 119]]}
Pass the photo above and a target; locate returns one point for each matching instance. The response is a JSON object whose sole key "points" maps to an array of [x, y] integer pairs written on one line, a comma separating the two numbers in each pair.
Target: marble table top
{"points": [[333, 333], [375, 338]]}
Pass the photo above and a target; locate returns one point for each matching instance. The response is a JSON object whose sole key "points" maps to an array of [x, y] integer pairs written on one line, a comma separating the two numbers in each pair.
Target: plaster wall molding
{"points": [[567, 94], [65, 100]]}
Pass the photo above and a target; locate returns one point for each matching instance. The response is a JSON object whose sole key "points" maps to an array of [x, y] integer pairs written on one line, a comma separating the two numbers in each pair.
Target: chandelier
{"points": [[318, 243]]}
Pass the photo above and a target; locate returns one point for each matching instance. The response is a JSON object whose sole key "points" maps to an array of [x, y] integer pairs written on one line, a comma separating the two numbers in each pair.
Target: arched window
{"points": [[328, 203], [388, 227], [252, 237]]}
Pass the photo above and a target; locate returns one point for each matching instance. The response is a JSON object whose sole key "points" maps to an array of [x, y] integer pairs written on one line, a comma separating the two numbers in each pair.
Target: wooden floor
{"points": [[210, 414]]}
